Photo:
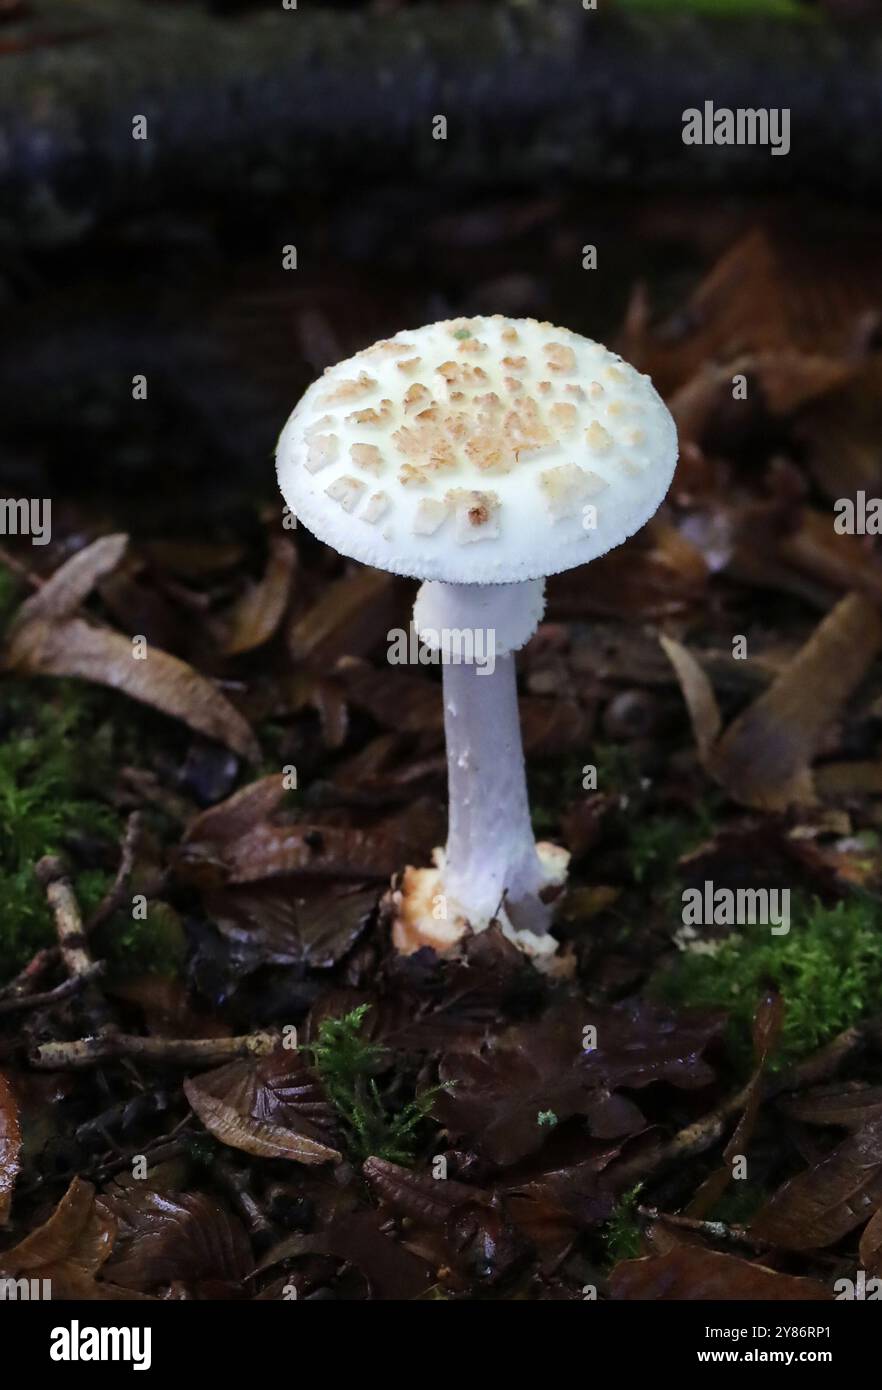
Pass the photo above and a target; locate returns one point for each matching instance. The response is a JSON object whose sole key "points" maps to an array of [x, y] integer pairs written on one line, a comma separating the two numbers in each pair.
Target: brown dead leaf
{"points": [[419, 1196], [305, 921], [397, 698], [846, 1103], [349, 617], [692, 1273], [274, 1108], [698, 693], [840, 561], [764, 757], [821, 1205], [764, 295], [69, 1248], [72, 582], [391, 1272], [500, 1090], [785, 380], [328, 851], [654, 575], [165, 1236], [870, 1251], [10, 1145], [255, 616], [239, 813], [841, 433], [58, 1236], [76, 648]]}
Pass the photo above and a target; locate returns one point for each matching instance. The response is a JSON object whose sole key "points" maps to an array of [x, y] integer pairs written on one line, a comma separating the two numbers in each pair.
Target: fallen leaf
{"points": [[306, 921], [846, 1103], [173, 1236], [841, 561], [783, 381], [764, 757], [656, 574], [274, 849], [76, 648], [274, 1108], [256, 615], [499, 1092], [821, 1205], [72, 582], [692, 1273], [870, 1251], [704, 712], [69, 1248], [396, 698], [391, 1272], [841, 435], [239, 813], [348, 619], [419, 1196]]}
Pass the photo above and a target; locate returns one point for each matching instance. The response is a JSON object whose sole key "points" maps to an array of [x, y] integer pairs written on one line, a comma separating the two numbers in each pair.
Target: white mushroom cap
{"points": [[478, 451]]}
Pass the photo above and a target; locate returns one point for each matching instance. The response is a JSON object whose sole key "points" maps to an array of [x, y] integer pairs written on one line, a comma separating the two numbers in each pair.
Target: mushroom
{"points": [[479, 455]]}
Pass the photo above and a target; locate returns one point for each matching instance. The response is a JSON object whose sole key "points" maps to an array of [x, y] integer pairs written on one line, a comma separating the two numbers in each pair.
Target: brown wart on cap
{"points": [[507, 450]]}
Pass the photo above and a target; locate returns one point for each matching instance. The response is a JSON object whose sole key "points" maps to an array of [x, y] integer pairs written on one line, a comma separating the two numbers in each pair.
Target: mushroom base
{"points": [[422, 914]]}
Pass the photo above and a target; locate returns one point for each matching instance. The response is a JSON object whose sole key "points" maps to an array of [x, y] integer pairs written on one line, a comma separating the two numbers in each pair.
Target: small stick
{"points": [[236, 1184], [202, 1052], [52, 873], [26, 979], [699, 1136], [158, 1150], [116, 893], [72, 985], [716, 1230]]}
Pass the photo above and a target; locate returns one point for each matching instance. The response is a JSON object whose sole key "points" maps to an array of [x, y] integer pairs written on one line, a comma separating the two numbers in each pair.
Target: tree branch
{"points": [[292, 102]]}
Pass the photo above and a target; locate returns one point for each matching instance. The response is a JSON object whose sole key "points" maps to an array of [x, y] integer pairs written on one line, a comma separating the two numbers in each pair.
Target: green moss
{"points": [[622, 1233], [346, 1063], [828, 969], [46, 767]]}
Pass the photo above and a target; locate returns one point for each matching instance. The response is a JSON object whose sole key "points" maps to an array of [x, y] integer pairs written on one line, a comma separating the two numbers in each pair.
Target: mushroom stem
{"points": [[491, 858]]}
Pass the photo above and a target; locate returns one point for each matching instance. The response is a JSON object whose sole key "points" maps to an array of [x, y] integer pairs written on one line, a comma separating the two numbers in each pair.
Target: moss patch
{"points": [[828, 969], [46, 764], [622, 1233], [345, 1061]]}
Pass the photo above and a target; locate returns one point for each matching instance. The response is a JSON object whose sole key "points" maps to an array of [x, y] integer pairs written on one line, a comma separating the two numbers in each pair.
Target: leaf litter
{"points": [[438, 1127]]}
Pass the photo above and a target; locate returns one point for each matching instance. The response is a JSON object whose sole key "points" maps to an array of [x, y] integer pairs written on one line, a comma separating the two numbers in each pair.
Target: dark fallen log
{"points": [[293, 101]]}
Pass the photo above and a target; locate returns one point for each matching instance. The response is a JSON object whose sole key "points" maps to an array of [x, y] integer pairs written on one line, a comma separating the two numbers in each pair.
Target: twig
{"points": [[699, 1136], [26, 979], [304, 93], [715, 1230], [158, 1150], [116, 893], [53, 875], [23, 1002], [203, 1052]]}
